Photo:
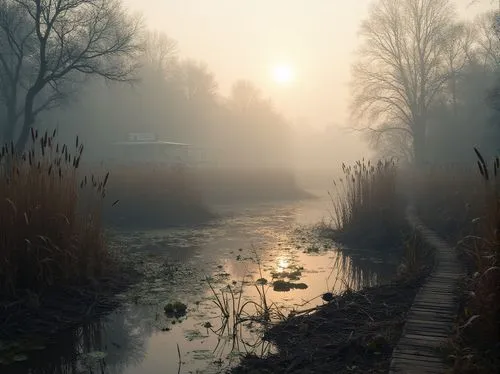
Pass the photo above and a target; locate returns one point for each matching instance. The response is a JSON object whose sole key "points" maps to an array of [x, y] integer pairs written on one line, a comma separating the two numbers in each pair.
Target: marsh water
{"points": [[272, 241]]}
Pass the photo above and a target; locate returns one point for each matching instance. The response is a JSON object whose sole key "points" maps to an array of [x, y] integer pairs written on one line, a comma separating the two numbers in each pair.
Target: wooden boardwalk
{"points": [[431, 317]]}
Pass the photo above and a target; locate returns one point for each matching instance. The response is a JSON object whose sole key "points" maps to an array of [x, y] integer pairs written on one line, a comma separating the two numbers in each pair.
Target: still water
{"points": [[274, 241]]}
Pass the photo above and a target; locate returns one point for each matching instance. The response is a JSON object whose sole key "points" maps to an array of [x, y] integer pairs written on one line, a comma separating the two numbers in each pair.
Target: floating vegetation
{"points": [[175, 309], [284, 286]]}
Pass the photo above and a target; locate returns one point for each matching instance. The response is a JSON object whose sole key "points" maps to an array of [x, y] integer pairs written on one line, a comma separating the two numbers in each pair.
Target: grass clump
{"points": [[366, 206], [50, 221]]}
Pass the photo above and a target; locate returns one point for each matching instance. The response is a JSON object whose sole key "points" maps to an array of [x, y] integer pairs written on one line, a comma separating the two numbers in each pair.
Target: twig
{"points": [[180, 361]]}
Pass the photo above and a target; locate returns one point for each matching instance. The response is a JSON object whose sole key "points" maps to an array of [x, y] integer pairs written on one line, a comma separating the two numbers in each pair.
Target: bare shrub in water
{"points": [[365, 200], [51, 231]]}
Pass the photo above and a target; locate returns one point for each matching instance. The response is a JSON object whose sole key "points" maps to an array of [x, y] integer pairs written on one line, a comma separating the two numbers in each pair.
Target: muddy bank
{"points": [[354, 333]]}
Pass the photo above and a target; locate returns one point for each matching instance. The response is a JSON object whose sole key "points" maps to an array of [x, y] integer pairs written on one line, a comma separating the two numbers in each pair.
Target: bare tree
{"points": [[458, 53], [488, 40], [47, 47], [401, 67], [197, 81], [244, 96], [160, 52]]}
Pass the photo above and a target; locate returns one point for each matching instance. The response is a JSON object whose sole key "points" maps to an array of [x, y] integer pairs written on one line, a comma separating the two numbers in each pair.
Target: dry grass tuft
{"points": [[50, 221]]}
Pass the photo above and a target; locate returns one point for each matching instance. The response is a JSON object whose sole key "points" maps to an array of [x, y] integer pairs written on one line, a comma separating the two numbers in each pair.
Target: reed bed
{"points": [[50, 217], [366, 203], [477, 345]]}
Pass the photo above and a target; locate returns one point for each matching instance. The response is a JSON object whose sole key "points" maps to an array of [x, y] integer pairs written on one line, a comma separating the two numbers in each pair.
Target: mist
{"points": [[289, 183]]}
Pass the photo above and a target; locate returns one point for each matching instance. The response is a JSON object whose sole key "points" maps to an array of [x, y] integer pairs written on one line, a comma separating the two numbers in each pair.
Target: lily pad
{"points": [[20, 357]]}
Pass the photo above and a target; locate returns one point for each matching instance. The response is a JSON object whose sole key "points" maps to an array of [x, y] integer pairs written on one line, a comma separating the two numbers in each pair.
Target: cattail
{"points": [[106, 178], [54, 133], [482, 165], [480, 168], [32, 134], [76, 142]]}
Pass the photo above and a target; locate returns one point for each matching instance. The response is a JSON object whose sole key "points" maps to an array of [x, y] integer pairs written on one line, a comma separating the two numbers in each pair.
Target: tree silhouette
{"points": [[48, 47]]}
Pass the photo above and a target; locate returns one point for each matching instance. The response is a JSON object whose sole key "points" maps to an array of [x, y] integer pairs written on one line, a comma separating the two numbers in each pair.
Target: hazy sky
{"points": [[246, 39]]}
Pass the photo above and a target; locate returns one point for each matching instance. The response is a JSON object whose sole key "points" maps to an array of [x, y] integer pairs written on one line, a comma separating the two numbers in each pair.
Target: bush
{"points": [[50, 221]]}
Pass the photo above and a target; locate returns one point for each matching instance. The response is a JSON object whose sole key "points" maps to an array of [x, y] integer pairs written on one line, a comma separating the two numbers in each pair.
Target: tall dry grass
{"points": [[366, 203], [50, 223], [478, 343], [461, 202]]}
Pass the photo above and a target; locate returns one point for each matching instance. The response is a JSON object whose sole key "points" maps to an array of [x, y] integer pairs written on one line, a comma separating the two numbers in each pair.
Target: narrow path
{"points": [[431, 317]]}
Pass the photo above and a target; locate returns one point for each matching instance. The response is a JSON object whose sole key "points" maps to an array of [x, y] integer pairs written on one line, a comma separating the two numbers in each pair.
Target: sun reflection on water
{"points": [[283, 262]]}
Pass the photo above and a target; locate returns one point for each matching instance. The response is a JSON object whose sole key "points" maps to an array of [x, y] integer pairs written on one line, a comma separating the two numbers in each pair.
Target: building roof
{"points": [[155, 142]]}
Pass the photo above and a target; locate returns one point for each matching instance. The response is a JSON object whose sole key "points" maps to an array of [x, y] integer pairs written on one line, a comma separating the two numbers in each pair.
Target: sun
{"points": [[283, 74]]}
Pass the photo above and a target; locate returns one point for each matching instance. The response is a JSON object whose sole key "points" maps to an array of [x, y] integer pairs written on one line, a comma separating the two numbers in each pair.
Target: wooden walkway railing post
{"points": [[430, 320]]}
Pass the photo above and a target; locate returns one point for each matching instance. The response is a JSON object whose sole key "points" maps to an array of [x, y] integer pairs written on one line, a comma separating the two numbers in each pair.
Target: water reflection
{"points": [[244, 248], [99, 347]]}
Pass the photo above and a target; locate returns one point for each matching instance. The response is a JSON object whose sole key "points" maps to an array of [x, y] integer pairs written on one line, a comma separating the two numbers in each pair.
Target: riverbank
{"points": [[354, 333]]}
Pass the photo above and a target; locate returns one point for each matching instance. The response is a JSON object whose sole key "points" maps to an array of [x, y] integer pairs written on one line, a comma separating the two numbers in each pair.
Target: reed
{"points": [[477, 345], [365, 201], [50, 221]]}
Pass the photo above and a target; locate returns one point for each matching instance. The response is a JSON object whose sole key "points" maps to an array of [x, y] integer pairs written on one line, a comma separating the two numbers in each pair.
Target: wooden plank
{"points": [[430, 319]]}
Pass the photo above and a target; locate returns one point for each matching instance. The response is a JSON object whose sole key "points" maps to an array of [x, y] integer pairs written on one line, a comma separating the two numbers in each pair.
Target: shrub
{"points": [[50, 220]]}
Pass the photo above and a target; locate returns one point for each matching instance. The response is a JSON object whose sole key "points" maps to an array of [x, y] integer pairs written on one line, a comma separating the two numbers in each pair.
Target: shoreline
{"points": [[354, 333]]}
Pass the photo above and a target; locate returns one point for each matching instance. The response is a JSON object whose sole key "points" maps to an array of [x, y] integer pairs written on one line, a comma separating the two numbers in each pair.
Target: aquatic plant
{"points": [[176, 309], [50, 217]]}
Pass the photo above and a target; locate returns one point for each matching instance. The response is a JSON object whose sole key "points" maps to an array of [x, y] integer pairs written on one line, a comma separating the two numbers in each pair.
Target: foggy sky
{"points": [[242, 39]]}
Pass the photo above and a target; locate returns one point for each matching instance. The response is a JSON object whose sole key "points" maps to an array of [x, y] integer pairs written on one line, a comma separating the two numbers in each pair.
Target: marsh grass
{"points": [[366, 204], [476, 345], [51, 232], [417, 256], [234, 310]]}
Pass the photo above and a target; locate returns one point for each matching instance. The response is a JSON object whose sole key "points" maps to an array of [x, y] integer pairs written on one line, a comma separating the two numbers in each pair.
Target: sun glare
{"points": [[283, 74]]}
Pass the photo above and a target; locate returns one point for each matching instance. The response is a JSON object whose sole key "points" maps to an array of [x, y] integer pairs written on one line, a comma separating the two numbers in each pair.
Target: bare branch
{"points": [[401, 66]]}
